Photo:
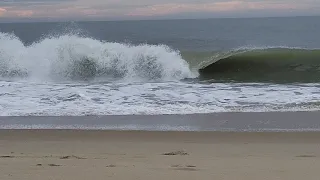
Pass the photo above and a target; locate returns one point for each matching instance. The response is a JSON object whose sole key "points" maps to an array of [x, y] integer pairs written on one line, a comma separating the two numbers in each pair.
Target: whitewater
{"points": [[70, 57], [69, 74]]}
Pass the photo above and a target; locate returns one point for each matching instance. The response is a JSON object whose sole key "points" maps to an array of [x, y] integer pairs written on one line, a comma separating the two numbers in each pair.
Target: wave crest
{"points": [[71, 57], [272, 64]]}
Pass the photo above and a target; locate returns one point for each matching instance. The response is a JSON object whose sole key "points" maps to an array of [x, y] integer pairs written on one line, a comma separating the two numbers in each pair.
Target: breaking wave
{"points": [[276, 64], [72, 57]]}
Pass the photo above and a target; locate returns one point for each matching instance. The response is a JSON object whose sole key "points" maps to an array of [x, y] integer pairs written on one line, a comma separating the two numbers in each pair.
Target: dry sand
{"points": [[95, 155]]}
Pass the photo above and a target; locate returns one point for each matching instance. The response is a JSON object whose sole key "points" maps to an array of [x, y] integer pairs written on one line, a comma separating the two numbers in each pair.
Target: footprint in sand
{"points": [[54, 165], [306, 156], [184, 168], [7, 156], [174, 153], [72, 157], [51, 165]]}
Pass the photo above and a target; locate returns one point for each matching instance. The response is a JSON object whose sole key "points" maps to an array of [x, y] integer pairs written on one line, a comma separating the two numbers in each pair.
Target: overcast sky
{"points": [[153, 9]]}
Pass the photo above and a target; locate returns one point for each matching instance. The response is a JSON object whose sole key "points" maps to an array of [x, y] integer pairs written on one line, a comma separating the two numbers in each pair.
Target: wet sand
{"points": [[230, 121], [82, 155]]}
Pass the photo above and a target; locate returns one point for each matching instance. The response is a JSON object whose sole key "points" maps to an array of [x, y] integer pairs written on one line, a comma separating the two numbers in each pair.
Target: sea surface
{"points": [[160, 67]]}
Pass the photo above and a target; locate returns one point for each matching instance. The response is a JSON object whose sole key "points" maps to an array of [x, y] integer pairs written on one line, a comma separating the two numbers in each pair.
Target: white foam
{"points": [[18, 98], [58, 58], [54, 59]]}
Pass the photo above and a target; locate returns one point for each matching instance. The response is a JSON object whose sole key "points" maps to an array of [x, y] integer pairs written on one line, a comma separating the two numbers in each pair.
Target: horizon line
{"points": [[48, 20]]}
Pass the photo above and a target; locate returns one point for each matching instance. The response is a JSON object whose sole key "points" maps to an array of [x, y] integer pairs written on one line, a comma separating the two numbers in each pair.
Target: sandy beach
{"points": [[77, 155]]}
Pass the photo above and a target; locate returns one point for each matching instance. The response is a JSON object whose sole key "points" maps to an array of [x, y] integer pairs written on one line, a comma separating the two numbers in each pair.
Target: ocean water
{"points": [[160, 67]]}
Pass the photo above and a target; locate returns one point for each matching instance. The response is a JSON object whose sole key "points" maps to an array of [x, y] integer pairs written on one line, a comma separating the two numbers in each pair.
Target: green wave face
{"points": [[280, 65]]}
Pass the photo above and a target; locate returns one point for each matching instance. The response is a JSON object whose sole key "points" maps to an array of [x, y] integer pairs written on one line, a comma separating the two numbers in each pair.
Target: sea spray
{"points": [[71, 57]]}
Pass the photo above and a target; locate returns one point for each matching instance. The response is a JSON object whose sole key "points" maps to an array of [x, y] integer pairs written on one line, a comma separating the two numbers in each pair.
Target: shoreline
{"points": [[168, 136], [218, 122], [144, 155]]}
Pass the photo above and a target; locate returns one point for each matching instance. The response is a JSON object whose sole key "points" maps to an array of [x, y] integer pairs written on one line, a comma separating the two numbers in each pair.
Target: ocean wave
{"points": [[282, 64], [72, 57], [77, 58]]}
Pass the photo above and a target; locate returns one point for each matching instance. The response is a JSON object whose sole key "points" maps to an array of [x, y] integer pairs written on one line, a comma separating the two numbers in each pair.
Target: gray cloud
{"points": [[140, 9], [31, 3]]}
